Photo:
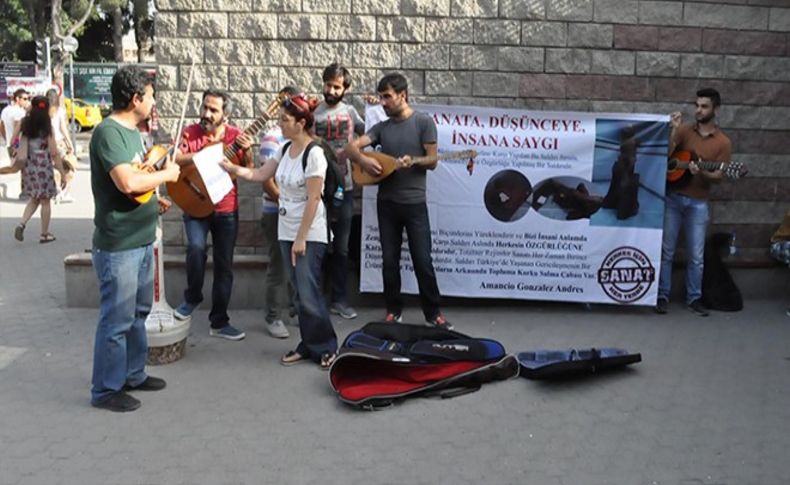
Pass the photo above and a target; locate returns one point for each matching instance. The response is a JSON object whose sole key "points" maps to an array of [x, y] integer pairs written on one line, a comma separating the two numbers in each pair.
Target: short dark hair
{"points": [[711, 93], [127, 82], [19, 93], [227, 103], [336, 70], [289, 90], [394, 80]]}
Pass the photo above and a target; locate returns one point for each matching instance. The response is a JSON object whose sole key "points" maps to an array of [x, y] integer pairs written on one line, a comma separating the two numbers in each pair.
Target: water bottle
{"points": [[733, 249], [337, 199]]}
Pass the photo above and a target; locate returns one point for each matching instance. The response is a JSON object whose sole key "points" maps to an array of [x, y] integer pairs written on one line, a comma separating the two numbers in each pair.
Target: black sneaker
{"points": [[149, 384], [117, 402], [698, 308], [662, 306]]}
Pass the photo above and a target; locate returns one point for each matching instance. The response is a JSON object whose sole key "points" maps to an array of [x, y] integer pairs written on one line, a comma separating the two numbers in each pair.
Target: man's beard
{"points": [[332, 100], [706, 119], [208, 126], [393, 111]]}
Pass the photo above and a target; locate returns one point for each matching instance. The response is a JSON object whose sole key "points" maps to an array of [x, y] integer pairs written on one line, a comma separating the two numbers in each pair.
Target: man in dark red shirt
{"points": [[223, 223]]}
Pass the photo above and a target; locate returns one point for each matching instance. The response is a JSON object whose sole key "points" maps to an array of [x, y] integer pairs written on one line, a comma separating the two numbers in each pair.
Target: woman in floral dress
{"points": [[38, 156]]}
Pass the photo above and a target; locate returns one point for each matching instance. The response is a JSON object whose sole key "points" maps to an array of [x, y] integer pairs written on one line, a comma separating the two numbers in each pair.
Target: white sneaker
{"points": [[276, 329]]}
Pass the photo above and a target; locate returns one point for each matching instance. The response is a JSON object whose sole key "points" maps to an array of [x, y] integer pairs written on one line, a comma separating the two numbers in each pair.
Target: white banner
{"points": [[560, 206]]}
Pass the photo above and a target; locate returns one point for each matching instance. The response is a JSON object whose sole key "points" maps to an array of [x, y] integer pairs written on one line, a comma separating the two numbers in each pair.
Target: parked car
{"points": [[87, 115]]}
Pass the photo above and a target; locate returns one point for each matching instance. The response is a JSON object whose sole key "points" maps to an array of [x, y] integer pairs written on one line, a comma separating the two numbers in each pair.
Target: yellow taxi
{"points": [[86, 115]]}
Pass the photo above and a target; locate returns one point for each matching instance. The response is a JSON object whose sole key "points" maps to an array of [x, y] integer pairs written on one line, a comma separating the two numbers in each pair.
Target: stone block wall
{"points": [[581, 55]]}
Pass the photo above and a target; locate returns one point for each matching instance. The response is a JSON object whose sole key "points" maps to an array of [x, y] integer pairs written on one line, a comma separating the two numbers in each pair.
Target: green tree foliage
{"points": [[15, 36]]}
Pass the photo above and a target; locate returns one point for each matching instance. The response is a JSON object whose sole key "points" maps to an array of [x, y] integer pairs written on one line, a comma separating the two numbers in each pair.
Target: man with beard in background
{"points": [[337, 123], [223, 223]]}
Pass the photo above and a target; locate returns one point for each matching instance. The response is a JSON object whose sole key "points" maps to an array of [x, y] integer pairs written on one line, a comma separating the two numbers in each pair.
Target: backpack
{"points": [[382, 363], [334, 182], [719, 291]]}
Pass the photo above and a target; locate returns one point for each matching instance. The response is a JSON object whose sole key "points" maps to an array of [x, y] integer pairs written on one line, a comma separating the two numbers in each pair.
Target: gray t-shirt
{"points": [[337, 125], [399, 138]]}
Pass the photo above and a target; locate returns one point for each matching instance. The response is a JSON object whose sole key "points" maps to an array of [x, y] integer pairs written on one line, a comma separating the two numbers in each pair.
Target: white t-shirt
{"points": [[293, 195], [60, 114], [10, 115]]}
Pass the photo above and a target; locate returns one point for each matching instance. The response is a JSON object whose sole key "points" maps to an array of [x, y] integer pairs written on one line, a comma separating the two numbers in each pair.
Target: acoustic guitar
{"points": [[154, 160], [389, 165], [189, 191], [678, 173]]}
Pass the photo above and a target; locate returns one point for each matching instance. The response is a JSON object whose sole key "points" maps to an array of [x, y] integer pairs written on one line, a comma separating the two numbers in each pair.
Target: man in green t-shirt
{"points": [[123, 243]]}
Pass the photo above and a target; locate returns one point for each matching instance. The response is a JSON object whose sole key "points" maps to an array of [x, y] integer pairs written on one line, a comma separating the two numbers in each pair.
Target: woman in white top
{"points": [[301, 229], [60, 130]]}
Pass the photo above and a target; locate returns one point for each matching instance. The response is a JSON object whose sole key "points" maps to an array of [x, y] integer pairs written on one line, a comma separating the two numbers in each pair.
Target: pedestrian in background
{"points": [[37, 157]]}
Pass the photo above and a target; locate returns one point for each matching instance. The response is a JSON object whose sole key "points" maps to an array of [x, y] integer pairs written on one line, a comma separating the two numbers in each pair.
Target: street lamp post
{"points": [[70, 45]]}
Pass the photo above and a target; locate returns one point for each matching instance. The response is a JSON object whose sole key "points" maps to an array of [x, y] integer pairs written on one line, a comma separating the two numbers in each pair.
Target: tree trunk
{"points": [[58, 57], [143, 29], [117, 33], [144, 38]]}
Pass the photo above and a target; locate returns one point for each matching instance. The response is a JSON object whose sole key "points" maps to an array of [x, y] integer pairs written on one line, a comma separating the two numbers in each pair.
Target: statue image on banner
{"points": [[630, 161]]}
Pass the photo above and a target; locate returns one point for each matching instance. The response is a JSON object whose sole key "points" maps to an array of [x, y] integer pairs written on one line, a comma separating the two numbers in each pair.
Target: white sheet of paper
{"points": [[218, 182]]}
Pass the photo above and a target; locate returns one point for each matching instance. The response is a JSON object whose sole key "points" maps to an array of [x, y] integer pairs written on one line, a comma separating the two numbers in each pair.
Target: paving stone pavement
{"points": [[708, 405]]}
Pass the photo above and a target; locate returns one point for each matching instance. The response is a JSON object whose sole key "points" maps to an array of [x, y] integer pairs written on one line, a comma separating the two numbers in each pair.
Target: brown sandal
{"points": [[292, 358], [47, 238]]}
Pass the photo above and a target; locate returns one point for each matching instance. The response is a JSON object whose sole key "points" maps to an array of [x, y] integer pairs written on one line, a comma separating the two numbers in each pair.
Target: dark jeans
{"points": [[315, 326], [393, 218], [338, 260], [223, 228]]}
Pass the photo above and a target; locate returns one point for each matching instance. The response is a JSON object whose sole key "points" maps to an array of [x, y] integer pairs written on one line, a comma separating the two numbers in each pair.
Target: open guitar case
{"points": [[383, 363]]}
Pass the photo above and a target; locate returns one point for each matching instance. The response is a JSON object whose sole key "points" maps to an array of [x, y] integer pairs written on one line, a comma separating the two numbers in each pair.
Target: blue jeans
{"points": [[393, 218], [338, 261], [692, 216], [126, 293], [315, 326], [223, 228]]}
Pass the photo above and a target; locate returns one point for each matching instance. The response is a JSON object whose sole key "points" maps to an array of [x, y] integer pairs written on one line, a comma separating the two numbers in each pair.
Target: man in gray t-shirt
{"points": [[401, 199], [400, 138], [338, 123]]}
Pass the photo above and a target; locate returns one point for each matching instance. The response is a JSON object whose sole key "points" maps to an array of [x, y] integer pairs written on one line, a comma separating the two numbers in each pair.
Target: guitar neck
{"points": [[436, 158], [251, 130], [702, 165]]}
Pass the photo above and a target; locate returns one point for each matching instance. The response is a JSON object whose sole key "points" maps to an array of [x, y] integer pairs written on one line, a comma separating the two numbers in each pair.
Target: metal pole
{"points": [[49, 60], [71, 92]]}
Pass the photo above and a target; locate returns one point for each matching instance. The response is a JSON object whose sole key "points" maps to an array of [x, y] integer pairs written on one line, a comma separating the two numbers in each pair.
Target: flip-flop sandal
{"points": [[19, 232], [292, 358], [326, 360], [47, 238]]}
